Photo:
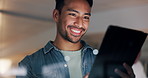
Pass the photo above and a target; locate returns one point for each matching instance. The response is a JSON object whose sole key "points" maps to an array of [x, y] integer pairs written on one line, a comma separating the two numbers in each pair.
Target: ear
{"points": [[56, 15]]}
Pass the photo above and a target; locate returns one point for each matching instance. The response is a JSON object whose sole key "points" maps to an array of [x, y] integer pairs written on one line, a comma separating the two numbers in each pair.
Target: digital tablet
{"points": [[118, 46]]}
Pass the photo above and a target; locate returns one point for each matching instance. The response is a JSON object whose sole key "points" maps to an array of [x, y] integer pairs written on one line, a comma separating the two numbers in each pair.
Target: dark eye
{"points": [[72, 14], [86, 17]]}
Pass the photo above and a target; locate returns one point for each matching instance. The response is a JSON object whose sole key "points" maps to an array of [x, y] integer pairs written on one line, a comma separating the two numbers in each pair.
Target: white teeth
{"points": [[75, 31]]}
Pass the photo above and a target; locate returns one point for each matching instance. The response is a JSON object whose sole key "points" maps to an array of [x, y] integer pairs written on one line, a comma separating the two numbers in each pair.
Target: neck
{"points": [[66, 45]]}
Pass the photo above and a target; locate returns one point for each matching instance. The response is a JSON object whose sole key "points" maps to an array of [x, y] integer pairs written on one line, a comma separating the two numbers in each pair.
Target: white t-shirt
{"points": [[73, 59]]}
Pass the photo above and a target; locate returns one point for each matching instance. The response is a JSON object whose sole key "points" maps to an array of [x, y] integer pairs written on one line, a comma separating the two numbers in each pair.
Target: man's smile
{"points": [[75, 31]]}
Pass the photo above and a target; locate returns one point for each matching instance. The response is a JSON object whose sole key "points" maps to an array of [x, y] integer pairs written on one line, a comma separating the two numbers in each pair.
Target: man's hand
{"points": [[120, 73], [86, 76], [129, 71]]}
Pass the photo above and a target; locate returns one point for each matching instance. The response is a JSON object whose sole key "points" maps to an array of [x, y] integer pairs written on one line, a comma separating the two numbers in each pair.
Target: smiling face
{"points": [[73, 21]]}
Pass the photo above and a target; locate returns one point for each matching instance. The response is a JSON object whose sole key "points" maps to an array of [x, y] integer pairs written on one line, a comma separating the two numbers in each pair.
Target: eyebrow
{"points": [[78, 12], [87, 14]]}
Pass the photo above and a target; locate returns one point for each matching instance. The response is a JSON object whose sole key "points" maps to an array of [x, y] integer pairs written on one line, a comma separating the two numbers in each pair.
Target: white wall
{"points": [[134, 17]]}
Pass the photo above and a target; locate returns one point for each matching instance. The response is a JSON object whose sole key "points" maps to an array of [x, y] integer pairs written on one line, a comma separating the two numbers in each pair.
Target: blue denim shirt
{"points": [[48, 62]]}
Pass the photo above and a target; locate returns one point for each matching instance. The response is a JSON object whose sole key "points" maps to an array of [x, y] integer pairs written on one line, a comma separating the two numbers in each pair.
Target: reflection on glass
{"points": [[5, 65], [6, 69]]}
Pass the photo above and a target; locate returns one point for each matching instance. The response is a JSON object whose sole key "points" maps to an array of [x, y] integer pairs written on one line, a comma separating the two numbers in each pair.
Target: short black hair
{"points": [[60, 4]]}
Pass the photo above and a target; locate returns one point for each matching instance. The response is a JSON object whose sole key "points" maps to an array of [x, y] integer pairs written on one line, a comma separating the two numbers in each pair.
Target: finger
{"points": [[120, 73], [129, 70], [86, 76]]}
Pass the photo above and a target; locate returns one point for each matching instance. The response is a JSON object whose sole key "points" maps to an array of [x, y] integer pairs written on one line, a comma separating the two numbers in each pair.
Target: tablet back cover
{"points": [[118, 46]]}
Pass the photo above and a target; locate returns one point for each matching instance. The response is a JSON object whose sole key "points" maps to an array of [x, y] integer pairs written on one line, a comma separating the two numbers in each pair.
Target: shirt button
{"points": [[65, 65], [67, 58], [95, 51]]}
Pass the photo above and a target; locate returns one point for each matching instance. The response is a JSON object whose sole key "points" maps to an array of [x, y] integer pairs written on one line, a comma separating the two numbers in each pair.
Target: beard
{"points": [[69, 37], [66, 37]]}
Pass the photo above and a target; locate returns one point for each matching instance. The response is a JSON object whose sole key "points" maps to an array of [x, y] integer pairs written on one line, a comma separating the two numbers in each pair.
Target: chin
{"points": [[74, 41]]}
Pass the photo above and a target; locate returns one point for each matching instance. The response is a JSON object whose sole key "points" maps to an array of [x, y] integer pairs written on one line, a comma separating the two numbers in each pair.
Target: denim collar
{"points": [[49, 46]]}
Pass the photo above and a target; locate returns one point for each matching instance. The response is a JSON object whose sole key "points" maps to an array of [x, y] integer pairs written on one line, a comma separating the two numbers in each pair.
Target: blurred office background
{"points": [[27, 25]]}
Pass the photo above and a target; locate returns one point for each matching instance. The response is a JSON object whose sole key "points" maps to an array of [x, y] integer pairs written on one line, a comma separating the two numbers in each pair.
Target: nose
{"points": [[79, 22]]}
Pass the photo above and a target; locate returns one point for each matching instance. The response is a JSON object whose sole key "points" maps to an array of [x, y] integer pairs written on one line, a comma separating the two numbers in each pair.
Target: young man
{"points": [[67, 56]]}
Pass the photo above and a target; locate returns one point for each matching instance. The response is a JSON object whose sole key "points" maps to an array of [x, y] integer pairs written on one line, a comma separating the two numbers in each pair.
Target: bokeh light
{"points": [[5, 65]]}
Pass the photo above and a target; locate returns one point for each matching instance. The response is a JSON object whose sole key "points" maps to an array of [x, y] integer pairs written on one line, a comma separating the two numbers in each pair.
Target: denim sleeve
{"points": [[26, 64]]}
